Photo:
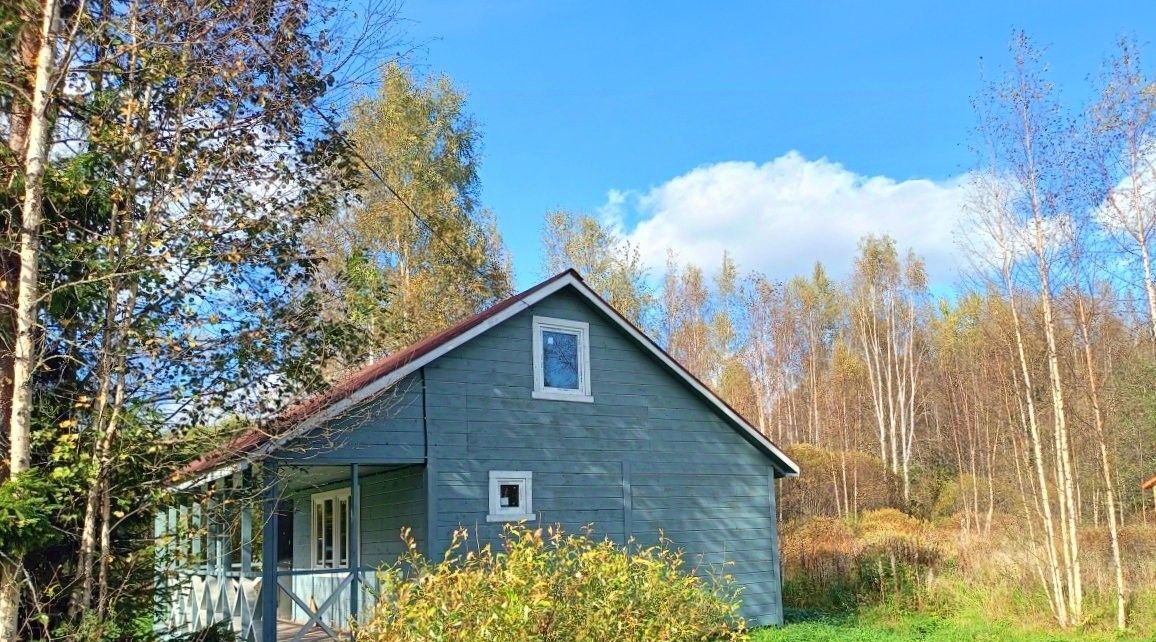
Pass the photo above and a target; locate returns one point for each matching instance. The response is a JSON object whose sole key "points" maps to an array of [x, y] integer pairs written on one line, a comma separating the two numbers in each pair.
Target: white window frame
{"points": [[582, 330], [499, 513], [336, 495]]}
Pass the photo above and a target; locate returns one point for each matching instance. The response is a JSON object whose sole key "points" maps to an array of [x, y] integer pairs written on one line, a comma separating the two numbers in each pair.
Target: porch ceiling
{"points": [[299, 477]]}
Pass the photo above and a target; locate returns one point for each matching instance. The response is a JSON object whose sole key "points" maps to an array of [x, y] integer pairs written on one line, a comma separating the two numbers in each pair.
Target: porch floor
{"points": [[286, 631]]}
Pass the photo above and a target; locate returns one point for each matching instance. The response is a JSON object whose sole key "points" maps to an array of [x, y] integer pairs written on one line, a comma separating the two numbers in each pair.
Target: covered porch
{"points": [[317, 532]]}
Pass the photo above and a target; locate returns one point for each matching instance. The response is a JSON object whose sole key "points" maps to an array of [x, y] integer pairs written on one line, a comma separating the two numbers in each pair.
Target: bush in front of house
{"points": [[549, 585]]}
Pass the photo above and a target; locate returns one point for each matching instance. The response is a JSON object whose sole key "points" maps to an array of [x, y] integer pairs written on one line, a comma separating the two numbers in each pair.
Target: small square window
{"points": [[510, 496], [561, 360]]}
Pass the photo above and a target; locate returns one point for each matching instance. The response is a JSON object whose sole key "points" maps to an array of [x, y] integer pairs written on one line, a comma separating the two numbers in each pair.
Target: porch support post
{"points": [[228, 521], [185, 557], [243, 481], [170, 547], [173, 577], [219, 507], [209, 519], [183, 535], [196, 526], [269, 588], [354, 539]]}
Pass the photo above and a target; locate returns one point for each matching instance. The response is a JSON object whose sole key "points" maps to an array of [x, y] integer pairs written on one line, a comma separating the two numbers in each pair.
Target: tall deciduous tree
{"points": [[1124, 129], [885, 309], [168, 275], [1027, 197], [416, 251], [699, 323], [35, 141], [609, 263], [816, 303]]}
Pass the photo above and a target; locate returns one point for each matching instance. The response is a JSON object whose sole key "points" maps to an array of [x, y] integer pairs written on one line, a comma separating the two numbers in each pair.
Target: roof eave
{"points": [[783, 464]]}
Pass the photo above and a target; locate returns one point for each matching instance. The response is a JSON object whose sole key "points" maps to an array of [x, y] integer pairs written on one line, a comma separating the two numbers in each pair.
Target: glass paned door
{"points": [[331, 529]]}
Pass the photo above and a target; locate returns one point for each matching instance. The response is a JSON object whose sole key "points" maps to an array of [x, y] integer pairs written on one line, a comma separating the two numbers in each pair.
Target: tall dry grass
{"points": [[888, 558]]}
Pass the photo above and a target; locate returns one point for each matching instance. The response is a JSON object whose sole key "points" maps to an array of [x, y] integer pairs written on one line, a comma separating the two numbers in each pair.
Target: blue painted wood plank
{"points": [[648, 454]]}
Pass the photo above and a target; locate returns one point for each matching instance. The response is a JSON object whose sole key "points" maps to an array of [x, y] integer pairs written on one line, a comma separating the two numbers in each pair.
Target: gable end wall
{"points": [[648, 454]]}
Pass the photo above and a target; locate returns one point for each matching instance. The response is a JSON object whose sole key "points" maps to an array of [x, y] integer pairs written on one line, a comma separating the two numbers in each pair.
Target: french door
{"points": [[330, 529]]}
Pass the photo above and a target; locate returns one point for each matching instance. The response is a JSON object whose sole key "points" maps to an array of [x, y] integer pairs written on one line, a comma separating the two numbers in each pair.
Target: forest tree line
{"points": [[1027, 392], [206, 217]]}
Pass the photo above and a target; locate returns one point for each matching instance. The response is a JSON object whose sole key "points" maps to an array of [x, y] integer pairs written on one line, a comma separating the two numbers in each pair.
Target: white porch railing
{"points": [[320, 599], [202, 599], [315, 588]]}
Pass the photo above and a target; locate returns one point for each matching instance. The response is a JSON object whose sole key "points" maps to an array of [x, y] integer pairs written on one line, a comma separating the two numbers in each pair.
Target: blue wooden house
{"points": [[548, 407]]}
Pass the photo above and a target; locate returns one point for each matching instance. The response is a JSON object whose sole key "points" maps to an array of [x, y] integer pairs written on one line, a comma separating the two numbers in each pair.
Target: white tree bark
{"points": [[28, 293], [1106, 469], [1055, 573], [1066, 478]]}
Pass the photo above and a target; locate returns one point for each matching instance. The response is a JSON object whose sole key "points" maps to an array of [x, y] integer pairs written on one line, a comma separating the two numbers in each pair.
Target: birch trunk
{"points": [[813, 376], [1040, 245], [869, 339], [1059, 604], [892, 374], [1066, 482], [909, 418], [28, 294], [1149, 282], [1106, 468]]}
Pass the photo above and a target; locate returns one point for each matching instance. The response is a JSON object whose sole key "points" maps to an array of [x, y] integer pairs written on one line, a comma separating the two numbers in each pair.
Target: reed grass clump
{"points": [[550, 585]]}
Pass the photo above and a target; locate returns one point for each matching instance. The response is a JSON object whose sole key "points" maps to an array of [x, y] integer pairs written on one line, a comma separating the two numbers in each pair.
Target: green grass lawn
{"points": [[872, 627]]}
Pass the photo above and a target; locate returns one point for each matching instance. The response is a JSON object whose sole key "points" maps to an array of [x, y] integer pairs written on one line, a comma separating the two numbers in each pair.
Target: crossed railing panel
{"points": [[320, 599], [202, 599]]}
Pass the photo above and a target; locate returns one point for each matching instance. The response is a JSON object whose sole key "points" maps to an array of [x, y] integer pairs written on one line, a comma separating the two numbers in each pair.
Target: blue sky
{"points": [[778, 131]]}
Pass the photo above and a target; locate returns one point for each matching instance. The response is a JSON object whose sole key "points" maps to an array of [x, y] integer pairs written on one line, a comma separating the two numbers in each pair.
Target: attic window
{"points": [[561, 360], [511, 495]]}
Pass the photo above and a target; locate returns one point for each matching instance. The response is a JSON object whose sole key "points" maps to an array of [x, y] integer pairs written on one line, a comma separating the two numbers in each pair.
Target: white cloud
{"points": [[782, 216]]}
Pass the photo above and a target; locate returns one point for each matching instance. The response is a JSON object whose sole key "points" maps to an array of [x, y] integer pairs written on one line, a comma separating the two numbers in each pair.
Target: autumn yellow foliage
{"points": [[549, 585]]}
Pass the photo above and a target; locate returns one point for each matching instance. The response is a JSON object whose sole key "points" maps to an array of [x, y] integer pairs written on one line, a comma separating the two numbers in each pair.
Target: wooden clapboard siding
{"points": [[390, 501], [384, 430], [647, 456]]}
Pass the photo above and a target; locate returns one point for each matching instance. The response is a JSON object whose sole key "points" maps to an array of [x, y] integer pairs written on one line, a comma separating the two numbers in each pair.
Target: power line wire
{"points": [[352, 146]]}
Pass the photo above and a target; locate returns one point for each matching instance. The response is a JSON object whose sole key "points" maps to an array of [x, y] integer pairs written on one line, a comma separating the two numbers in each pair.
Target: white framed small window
{"points": [[329, 521], [561, 360], [511, 495]]}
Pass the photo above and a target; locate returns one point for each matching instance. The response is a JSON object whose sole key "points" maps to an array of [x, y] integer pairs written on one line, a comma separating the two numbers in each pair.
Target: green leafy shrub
{"points": [[25, 514], [547, 585]]}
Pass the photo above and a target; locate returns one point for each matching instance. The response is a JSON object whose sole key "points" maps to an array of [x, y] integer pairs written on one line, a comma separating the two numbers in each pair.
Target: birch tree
{"points": [[885, 313], [169, 276], [36, 145], [1025, 199], [1123, 124], [1087, 294], [816, 300], [609, 263], [414, 251], [762, 353]]}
